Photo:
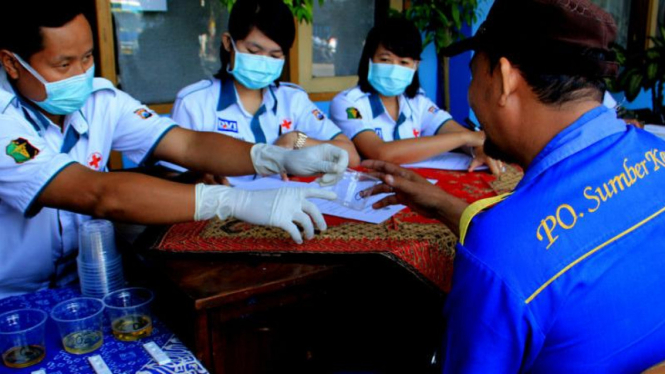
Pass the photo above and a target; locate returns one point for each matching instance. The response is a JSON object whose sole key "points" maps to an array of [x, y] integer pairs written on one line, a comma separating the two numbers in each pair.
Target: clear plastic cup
{"points": [[349, 189], [22, 337], [99, 263], [80, 324], [97, 241], [128, 310]]}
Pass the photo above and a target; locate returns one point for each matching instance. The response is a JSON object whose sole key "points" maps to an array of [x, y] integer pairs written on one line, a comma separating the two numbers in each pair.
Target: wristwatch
{"points": [[301, 138]]}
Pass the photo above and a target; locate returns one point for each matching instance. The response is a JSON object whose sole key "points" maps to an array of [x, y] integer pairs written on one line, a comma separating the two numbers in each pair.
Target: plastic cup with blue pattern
{"points": [[99, 262], [80, 323], [349, 189], [128, 310], [22, 337]]}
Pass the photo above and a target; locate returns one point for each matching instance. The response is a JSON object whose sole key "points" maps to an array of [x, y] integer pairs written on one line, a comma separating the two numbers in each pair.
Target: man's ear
{"points": [[510, 77], [226, 42], [9, 63]]}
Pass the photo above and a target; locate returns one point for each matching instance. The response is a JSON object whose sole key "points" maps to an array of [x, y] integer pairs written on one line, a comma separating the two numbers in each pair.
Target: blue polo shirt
{"points": [[567, 274]]}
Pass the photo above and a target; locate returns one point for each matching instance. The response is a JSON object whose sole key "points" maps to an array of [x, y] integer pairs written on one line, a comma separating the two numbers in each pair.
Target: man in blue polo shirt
{"points": [[566, 274]]}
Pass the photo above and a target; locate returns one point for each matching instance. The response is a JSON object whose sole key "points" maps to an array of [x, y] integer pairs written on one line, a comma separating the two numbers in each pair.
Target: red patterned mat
{"points": [[423, 246]]}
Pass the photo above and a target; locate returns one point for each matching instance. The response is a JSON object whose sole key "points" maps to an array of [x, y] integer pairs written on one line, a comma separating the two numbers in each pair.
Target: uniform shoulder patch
{"points": [[318, 114], [144, 113], [433, 109], [353, 113], [21, 150]]}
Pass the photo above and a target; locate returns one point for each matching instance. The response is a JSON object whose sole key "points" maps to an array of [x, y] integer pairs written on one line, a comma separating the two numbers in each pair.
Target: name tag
{"points": [[224, 125]]}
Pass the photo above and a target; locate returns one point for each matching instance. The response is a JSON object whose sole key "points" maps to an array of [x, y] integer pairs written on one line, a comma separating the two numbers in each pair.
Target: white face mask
{"points": [[255, 72], [64, 96], [390, 79]]}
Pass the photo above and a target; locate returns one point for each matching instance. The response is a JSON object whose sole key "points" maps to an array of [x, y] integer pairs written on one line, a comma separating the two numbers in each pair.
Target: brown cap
{"points": [[561, 36]]}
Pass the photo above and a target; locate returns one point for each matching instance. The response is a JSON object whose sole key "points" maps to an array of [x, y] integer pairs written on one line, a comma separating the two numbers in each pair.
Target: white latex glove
{"points": [[323, 159], [279, 208]]}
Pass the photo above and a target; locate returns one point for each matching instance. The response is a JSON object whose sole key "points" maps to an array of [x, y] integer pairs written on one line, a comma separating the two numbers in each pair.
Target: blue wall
{"points": [[460, 77]]}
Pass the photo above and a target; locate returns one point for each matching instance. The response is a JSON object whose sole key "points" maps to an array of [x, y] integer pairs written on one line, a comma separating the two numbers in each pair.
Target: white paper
{"points": [[446, 161], [332, 208]]}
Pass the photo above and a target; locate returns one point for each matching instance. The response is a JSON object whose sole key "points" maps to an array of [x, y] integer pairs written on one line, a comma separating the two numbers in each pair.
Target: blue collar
{"points": [[228, 96], [376, 104], [592, 127]]}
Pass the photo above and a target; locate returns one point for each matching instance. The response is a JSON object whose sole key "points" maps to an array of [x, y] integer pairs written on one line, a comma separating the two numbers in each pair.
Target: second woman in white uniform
{"points": [[244, 100], [388, 116]]}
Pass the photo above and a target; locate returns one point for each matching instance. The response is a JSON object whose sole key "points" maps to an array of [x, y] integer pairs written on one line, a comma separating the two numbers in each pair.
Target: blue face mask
{"points": [[255, 72], [65, 96], [389, 79]]}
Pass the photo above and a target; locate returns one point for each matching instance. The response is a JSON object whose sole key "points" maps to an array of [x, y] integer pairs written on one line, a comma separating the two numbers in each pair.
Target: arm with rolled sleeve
{"points": [[489, 328], [402, 151], [433, 118], [23, 179]]}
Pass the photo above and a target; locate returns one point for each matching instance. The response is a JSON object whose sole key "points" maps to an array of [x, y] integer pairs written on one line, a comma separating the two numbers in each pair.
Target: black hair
{"points": [[401, 37], [21, 23], [271, 17], [552, 88]]}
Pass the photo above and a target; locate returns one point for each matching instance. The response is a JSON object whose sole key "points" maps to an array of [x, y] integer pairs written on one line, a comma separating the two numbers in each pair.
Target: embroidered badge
{"points": [[21, 150], [433, 109], [95, 161], [379, 132], [225, 125], [286, 125], [318, 114], [143, 113], [353, 113], [416, 133]]}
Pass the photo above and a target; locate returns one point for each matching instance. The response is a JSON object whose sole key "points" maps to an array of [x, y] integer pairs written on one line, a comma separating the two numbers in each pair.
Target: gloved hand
{"points": [[323, 159], [279, 208]]}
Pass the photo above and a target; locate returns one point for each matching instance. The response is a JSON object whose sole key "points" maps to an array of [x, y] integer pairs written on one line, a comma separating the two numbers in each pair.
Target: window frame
{"points": [[301, 60]]}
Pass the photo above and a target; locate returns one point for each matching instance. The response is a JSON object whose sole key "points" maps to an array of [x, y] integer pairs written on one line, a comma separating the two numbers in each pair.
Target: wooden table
{"points": [[295, 313]]}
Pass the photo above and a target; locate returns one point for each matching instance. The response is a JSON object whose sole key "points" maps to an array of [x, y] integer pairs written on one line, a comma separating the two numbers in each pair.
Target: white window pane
{"points": [[339, 31], [159, 52]]}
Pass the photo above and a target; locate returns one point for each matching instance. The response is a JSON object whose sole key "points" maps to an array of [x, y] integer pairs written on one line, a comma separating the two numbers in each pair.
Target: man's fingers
{"points": [[377, 190], [387, 201], [386, 168], [315, 214], [306, 223], [476, 163]]}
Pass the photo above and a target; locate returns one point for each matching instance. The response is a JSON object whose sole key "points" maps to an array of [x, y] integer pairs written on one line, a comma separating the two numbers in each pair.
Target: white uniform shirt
{"points": [[213, 106], [355, 111], [38, 245]]}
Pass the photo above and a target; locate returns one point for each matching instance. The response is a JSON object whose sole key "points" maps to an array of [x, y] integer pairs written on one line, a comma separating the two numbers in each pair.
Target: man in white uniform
{"points": [[59, 126]]}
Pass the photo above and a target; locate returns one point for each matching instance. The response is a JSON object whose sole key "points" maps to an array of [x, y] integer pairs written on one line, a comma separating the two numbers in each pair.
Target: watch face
{"points": [[300, 140]]}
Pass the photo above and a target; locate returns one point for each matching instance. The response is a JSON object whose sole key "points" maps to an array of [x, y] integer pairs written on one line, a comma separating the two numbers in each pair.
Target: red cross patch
{"points": [[94, 161], [286, 124]]}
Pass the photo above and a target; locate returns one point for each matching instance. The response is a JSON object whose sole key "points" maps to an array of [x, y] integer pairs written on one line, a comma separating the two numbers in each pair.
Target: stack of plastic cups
{"points": [[99, 263]]}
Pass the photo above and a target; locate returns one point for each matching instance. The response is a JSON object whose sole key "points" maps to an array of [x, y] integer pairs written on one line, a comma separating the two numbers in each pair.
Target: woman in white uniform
{"points": [[244, 100], [387, 115]]}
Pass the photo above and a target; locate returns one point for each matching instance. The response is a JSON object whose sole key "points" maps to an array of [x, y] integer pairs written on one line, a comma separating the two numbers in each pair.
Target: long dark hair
{"points": [[400, 37], [271, 17]]}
